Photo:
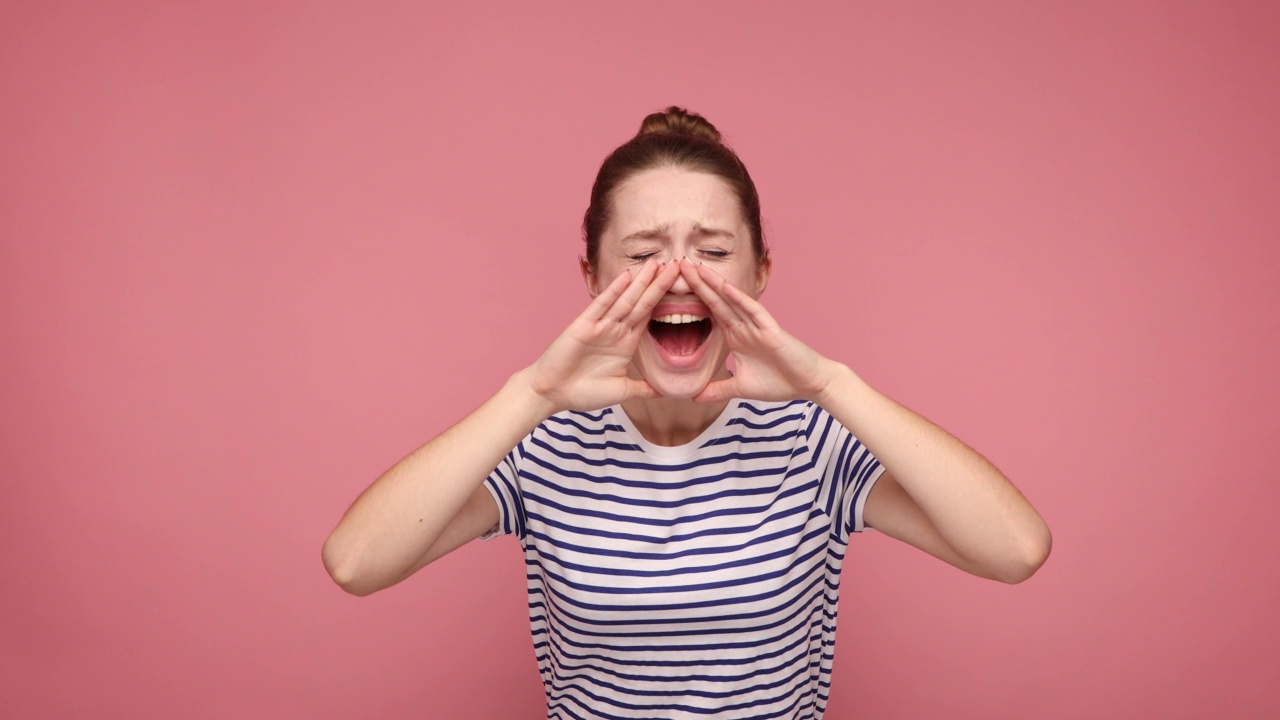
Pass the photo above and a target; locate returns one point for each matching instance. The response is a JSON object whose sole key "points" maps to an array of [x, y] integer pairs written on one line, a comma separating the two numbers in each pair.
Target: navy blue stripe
{"points": [[685, 692], [600, 414], [681, 570], [638, 677], [607, 445], [563, 544], [656, 468], [769, 411], [732, 439], [566, 422], [656, 539], [807, 603], [722, 600], [568, 510], [663, 619], [681, 588], [675, 502], [657, 485], [725, 660], [801, 689], [775, 422]]}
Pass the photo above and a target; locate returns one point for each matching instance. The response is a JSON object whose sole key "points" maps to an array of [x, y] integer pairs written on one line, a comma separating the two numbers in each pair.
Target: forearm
{"points": [[973, 506], [397, 518]]}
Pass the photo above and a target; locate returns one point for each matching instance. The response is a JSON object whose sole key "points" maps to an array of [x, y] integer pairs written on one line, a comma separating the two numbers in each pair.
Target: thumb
{"points": [[718, 390], [639, 389]]}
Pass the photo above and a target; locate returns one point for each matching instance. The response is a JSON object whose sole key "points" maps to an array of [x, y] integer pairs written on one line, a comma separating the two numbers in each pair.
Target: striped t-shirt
{"points": [[697, 581]]}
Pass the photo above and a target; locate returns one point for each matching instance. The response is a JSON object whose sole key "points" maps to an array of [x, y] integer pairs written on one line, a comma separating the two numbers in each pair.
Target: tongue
{"points": [[681, 339]]}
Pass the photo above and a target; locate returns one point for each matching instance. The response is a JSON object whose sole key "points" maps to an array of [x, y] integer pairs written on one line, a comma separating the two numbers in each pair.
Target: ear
{"points": [[763, 270], [589, 276]]}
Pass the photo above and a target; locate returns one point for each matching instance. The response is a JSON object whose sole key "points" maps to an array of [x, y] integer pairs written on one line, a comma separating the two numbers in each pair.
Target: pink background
{"points": [[254, 253]]}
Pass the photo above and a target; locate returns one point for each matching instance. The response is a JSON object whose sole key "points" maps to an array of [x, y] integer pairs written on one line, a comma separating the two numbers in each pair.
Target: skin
{"points": [[680, 236]]}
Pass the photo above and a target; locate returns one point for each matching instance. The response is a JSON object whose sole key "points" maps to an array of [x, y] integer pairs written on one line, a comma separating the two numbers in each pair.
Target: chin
{"points": [[680, 383], [679, 388]]}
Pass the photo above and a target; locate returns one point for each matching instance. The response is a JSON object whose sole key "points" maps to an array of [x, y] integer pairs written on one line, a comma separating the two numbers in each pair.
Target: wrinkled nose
{"points": [[681, 286]]}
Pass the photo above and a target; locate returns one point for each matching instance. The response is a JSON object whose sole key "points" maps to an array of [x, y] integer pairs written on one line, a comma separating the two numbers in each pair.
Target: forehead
{"points": [[674, 198]]}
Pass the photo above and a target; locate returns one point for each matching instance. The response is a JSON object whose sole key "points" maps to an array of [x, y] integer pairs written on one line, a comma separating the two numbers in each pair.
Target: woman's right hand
{"points": [[586, 367]]}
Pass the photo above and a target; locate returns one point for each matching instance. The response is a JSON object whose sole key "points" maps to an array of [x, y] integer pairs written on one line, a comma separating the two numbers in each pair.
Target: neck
{"points": [[673, 421]]}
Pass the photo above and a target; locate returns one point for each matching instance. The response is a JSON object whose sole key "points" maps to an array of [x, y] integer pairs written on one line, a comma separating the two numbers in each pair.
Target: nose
{"points": [[681, 286]]}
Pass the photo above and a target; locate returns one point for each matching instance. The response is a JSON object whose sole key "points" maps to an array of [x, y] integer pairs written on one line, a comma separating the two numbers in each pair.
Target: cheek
{"points": [[602, 278], [745, 279]]}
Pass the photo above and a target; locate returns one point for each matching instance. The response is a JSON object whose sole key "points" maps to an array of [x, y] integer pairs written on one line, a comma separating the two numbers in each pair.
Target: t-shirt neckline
{"points": [[676, 451]]}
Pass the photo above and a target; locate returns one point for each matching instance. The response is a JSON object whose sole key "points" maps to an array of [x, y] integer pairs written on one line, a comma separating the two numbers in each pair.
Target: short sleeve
{"points": [[504, 485], [851, 472]]}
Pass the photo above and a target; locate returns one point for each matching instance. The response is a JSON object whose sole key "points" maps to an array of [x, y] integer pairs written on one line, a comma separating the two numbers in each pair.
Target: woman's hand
{"points": [[770, 363], [586, 367]]}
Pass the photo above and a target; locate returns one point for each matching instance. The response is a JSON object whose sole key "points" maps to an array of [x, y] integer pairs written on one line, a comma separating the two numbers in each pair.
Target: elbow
{"points": [[343, 566], [1033, 551]]}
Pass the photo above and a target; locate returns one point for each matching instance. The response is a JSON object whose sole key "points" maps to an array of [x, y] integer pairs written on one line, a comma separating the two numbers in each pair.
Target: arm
{"points": [[942, 496], [433, 501], [397, 521]]}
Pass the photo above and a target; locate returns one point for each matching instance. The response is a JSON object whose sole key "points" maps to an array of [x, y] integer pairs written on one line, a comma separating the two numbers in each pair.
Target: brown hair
{"points": [[675, 138]]}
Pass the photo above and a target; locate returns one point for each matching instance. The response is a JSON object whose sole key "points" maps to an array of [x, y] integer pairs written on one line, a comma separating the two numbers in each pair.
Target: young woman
{"points": [[683, 525]]}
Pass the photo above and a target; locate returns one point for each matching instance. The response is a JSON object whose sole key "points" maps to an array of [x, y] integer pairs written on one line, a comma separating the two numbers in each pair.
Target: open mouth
{"points": [[680, 333]]}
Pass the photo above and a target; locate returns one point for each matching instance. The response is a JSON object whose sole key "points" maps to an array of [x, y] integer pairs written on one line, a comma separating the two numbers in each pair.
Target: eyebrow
{"points": [[698, 229]]}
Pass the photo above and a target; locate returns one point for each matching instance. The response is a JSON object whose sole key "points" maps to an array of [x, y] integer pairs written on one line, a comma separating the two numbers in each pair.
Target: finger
{"points": [[605, 300], [746, 306], [721, 310], [658, 287], [640, 390], [717, 391], [621, 307]]}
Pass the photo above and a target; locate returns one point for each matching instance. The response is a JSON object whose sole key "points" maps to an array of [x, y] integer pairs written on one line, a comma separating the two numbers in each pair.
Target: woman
{"points": [[684, 525]]}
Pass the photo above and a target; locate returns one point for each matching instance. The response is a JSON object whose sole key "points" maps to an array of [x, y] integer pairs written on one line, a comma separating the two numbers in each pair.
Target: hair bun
{"points": [[678, 121]]}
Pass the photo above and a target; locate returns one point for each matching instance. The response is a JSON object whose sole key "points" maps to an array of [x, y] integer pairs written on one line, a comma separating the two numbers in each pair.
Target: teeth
{"points": [[677, 319]]}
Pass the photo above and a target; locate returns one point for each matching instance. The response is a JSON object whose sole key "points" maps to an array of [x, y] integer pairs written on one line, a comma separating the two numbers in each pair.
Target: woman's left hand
{"points": [[770, 363]]}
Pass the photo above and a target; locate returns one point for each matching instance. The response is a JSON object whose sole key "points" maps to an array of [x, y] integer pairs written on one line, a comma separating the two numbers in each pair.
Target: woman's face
{"points": [[667, 214]]}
